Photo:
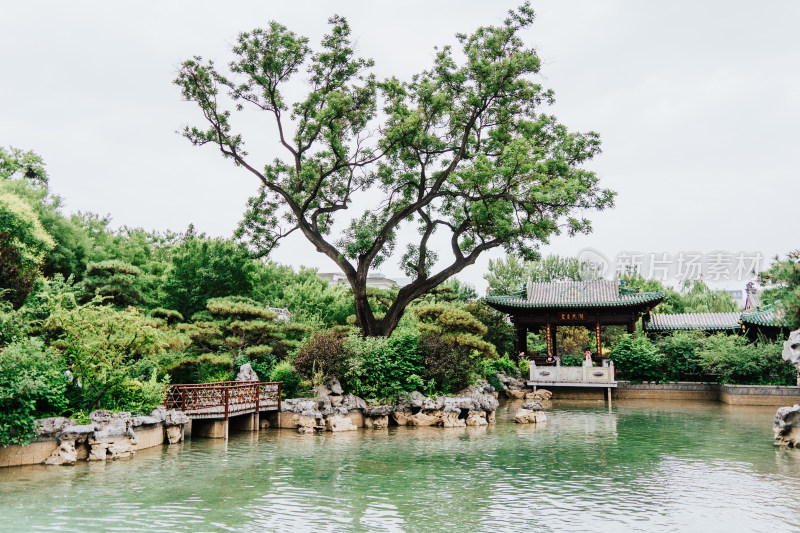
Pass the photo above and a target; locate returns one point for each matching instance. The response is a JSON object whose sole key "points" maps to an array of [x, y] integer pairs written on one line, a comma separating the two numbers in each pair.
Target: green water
{"points": [[644, 466]]}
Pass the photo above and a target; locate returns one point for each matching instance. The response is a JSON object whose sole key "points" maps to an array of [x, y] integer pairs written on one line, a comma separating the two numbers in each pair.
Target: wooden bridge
{"points": [[211, 405]]}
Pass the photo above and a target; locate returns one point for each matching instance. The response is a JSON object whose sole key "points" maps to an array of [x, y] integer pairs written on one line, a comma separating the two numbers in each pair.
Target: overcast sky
{"points": [[697, 105]]}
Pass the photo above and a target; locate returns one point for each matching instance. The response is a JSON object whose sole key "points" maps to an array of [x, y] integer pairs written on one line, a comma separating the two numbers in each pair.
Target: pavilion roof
{"points": [[571, 294], [688, 321], [767, 315]]}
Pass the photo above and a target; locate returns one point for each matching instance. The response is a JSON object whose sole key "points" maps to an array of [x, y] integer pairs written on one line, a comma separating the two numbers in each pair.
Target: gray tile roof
{"points": [[767, 315], [702, 321], [602, 293]]}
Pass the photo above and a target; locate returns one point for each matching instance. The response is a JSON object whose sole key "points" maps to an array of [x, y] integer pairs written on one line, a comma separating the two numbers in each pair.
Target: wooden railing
{"points": [[223, 398]]}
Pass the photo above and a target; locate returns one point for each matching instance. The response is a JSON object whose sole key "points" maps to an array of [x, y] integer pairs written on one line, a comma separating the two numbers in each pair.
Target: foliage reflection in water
{"points": [[643, 466]]}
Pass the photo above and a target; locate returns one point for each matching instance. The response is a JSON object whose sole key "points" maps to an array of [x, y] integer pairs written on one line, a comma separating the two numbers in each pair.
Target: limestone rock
{"points": [[510, 382], [52, 427], [401, 416], [433, 404], [159, 413], [137, 421], [532, 406], [378, 410], [787, 426], [339, 423], [335, 387], [298, 405], [376, 422], [174, 434], [417, 399], [65, 454], [112, 427], [482, 394], [431, 418], [80, 433], [542, 394], [526, 416], [306, 424], [101, 416], [449, 418], [476, 418], [175, 418], [121, 448], [515, 394], [246, 373]]}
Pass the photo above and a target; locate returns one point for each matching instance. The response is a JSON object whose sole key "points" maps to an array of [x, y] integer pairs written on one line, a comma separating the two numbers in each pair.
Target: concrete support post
{"points": [[247, 422], [210, 429]]}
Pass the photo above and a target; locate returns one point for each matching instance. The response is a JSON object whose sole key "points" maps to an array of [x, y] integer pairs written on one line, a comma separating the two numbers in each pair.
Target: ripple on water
{"points": [[642, 467]]}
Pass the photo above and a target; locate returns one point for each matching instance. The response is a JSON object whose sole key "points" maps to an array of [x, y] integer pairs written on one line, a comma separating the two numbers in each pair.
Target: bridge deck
{"points": [[223, 399]]}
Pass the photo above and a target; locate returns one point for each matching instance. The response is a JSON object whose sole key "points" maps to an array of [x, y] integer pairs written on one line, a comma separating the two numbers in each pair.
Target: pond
{"points": [[641, 466]]}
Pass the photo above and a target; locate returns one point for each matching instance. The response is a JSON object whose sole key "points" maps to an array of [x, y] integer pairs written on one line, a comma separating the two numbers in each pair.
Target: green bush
{"points": [[636, 359], [494, 381], [572, 359], [324, 353], [383, 368], [681, 353], [169, 315], [32, 385], [501, 364], [136, 396], [291, 382], [738, 361], [451, 366], [205, 368], [455, 326]]}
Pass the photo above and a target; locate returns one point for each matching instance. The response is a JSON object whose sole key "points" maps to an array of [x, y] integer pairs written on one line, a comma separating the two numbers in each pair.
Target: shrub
{"points": [[136, 396], [450, 366], [455, 326], [681, 353], [494, 381], [501, 364], [637, 359], [289, 378], [384, 368], [738, 361], [499, 332], [107, 346], [169, 315], [205, 368], [323, 352], [32, 385], [572, 359], [117, 281]]}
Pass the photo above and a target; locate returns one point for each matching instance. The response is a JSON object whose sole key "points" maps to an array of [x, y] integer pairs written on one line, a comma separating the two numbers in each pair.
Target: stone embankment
{"points": [[334, 411], [62, 441]]}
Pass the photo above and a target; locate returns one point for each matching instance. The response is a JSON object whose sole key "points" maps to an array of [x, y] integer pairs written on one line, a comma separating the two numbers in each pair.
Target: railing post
{"points": [[258, 396], [226, 403], [279, 396], [183, 399]]}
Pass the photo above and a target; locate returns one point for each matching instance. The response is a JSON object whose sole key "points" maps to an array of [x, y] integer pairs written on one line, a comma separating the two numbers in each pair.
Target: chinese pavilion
{"points": [[592, 304]]}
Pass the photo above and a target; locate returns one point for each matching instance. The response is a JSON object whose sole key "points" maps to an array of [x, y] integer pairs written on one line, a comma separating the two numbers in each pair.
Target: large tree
{"points": [[463, 149]]}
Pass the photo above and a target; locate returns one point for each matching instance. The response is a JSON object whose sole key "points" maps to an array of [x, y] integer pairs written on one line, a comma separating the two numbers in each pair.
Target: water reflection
{"points": [[644, 466]]}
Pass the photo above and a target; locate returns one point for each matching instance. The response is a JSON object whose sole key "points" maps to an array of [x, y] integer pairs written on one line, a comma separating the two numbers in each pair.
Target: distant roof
{"points": [[687, 321], [767, 315], [568, 294]]}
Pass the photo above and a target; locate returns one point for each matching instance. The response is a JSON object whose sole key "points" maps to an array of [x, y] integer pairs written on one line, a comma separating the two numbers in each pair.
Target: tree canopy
{"points": [[783, 286], [463, 149]]}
